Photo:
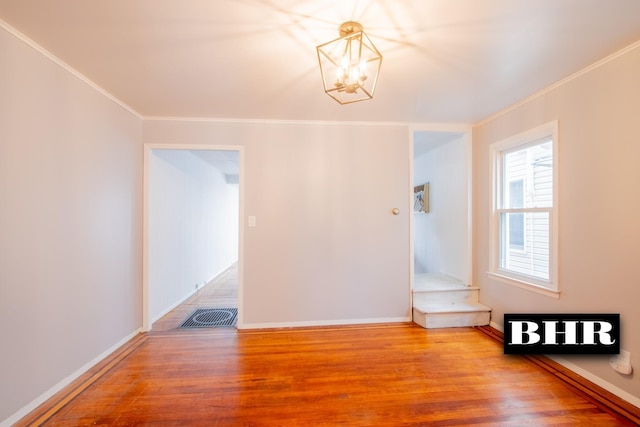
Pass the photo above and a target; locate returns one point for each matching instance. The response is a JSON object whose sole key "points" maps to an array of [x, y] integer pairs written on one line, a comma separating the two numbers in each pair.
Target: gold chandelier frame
{"points": [[349, 65]]}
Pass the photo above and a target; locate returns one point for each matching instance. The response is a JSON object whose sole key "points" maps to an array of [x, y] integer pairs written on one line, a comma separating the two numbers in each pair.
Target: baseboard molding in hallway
{"points": [[221, 291]]}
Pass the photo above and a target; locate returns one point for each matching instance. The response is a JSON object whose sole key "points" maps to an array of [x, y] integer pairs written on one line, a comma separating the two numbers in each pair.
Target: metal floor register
{"points": [[211, 318]]}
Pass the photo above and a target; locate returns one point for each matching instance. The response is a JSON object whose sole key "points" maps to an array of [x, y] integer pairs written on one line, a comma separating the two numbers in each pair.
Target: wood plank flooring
{"points": [[374, 375], [222, 291]]}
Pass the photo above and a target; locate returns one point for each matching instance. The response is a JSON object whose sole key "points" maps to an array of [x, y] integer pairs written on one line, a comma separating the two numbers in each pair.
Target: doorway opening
{"points": [[192, 242], [442, 234]]}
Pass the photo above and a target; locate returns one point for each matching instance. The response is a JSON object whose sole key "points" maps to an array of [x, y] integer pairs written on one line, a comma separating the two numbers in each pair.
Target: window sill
{"points": [[523, 284]]}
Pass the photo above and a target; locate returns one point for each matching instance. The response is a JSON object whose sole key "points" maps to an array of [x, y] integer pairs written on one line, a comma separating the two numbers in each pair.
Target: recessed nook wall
{"points": [[441, 236]]}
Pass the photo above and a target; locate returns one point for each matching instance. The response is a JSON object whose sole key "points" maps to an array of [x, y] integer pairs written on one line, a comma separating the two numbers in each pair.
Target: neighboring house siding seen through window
{"points": [[516, 220], [524, 231]]}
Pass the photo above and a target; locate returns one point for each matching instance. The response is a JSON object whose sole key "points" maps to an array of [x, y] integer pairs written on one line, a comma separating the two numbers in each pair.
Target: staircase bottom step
{"points": [[433, 316]]}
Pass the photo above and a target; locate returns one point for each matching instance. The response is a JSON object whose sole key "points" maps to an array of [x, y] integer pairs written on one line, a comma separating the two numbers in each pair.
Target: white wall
{"points": [[441, 236], [193, 226], [70, 225], [599, 201], [326, 248]]}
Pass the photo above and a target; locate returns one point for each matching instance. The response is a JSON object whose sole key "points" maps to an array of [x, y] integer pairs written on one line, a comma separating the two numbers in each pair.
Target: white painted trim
{"points": [[59, 62], [562, 82], [445, 127], [164, 312], [411, 222], [634, 400], [524, 139], [461, 128], [469, 162], [24, 411], [146, 316], [241, 234], [522, 284], [147, 322], [586, 374], [312, 323], [494, 325]]}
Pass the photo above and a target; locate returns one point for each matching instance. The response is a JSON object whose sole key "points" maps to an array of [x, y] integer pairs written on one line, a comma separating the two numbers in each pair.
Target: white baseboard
{"points": [[192, 293], [65, 382], [634, 400], [494, 325], [174, 305], [222, 271], [312, 323]]}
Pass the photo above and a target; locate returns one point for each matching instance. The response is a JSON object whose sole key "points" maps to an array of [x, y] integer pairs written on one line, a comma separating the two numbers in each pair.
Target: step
{"points": [[438, 288], [432, 316], [461, 295], [436, 282]]}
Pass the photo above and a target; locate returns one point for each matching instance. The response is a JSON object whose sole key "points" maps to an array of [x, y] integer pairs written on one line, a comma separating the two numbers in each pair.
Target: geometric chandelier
{"points": [[349, 65]]}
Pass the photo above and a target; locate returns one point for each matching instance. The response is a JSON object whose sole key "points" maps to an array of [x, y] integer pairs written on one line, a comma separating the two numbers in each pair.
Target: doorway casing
{"points": [[148, 151]]}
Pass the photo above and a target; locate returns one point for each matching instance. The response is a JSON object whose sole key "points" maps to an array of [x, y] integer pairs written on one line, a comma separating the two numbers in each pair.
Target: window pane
{"points": [[525, 243], [516, 231], [516, 194], [533, 166]]}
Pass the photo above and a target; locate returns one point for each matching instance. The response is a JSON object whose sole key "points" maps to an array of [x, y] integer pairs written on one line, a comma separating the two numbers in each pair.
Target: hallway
{"points": [[222, 291]]}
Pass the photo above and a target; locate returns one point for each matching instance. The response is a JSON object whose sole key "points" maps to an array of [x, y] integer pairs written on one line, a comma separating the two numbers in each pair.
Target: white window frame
{"points": [[531, 137]]}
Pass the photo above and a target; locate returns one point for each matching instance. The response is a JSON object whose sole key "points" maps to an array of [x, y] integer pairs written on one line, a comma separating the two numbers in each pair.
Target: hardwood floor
{"points": [[222, 291], [374, 375]]}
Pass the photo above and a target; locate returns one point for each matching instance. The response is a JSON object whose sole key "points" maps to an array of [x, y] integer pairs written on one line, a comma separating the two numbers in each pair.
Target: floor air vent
{"points": [[211, 318]]}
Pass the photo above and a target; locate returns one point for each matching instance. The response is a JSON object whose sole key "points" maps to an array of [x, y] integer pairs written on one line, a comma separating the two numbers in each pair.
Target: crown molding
{"points": [[427, 126], [562, 82], [59, 62]]}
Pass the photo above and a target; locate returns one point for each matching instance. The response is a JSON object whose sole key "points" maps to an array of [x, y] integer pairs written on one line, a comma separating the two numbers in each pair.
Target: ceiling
{"points": [[427, 141], [224, 161], [445, 61]]}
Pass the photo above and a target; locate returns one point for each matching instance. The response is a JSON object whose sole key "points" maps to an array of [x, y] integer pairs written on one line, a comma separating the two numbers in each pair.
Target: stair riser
{"points": [[451, 320], [429, 281], [443, 297]]}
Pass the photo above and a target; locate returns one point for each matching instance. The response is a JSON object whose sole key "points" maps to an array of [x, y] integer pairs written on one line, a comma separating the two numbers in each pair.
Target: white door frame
{"points": [[148, 149]]}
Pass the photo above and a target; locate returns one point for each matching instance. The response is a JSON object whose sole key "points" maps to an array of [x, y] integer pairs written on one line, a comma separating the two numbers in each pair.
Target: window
{"points": [[524, 211]]}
